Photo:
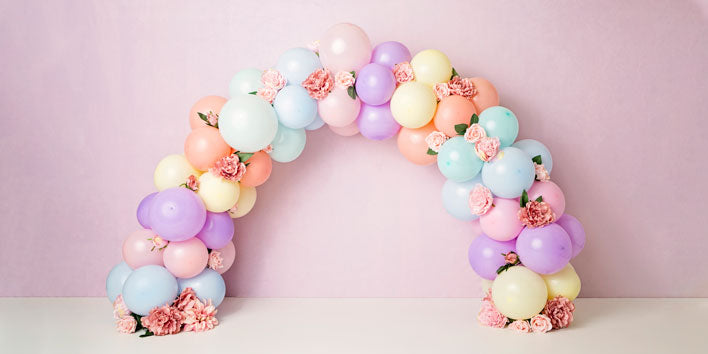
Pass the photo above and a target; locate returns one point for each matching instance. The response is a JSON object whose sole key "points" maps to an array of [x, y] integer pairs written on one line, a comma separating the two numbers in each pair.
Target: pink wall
{"points": [[94, 93]]}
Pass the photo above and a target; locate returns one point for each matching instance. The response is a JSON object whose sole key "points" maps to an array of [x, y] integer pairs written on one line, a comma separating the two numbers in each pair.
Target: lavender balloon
{"points": [[218, 230], [375, 84], [575, 230], [390, 53], [177, 214], [376, 122], [144, 210], [545, 250], [485, 255]]}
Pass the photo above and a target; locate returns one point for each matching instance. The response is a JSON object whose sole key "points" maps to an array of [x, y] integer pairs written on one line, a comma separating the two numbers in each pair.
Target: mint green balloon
{"points": [[500, 122], [245, 81], [457, 160], [287, 144]]}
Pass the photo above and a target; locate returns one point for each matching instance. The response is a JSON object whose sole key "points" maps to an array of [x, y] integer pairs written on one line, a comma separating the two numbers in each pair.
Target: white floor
{"points": [[332, 326]]}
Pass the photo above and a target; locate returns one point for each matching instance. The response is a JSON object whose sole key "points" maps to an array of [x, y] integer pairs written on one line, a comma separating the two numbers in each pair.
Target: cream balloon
{"points": [[519, 293], [246, 201], [431, 66], [566, 283], [218, 194], [172, 171], [486, 286], [413, 104]]}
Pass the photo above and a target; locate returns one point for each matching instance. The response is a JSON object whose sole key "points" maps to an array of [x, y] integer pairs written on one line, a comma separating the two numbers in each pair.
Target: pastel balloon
{"points": [[139, 249], [509, 173], [486, 286], [575, 231], [248, 123], [338, 109], [474, 228], [456, 196], [287, 144], [177, 214], [453, 110], [246, 201], [149, 287], [519, 293], [412, 145], [186, 259], [347, 130], [115, 280], [413, 104], [205, 105], [228, 254], [486, 94], [204, 146], [390, 53], [218, 230], [296, 64], [316, 124], [207, 285], [486, 255], [217, 194], [294, 107], [375, 84], [501, 222], [431, 66], [258, 170], [376, 122], [551, 193], [143, 212], [544, 250], [563, 283], [536, 148], [245, 82], [172, 171], [500, 122], [345, 47], [458, 161]]}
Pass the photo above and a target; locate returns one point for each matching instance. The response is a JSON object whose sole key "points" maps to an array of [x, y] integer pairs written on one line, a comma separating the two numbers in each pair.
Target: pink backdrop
{"points": [[94, 93]]}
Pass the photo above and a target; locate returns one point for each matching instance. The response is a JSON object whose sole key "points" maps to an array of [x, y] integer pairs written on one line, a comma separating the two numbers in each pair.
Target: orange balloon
{"points": [[453, 110], [411, 143], [204, 146], [486, 96], [204, 105], [259, 167]]}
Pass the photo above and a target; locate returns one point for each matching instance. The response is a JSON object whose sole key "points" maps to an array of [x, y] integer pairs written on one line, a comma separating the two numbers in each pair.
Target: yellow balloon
{"points": [[565, 282], [172, 171], [218, 194], [246, 201], [431, 66], [519, 293], [486, 286], [413, 104]]}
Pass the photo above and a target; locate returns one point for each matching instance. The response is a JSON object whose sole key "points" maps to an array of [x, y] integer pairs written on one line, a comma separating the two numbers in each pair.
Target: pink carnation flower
{"points": [[267, 93], [163, 320], [212, 118], [120, 310], [192, 183], [403, 72], [344, 79], [200, 317], [511, 258], [536, 214], [229, 168], [435, 140], [541, 324], [521, 326], [474, 133], [126, 325], [541, 172], [185, 298], [491, 317], [233, 210], [441, 90], [480, 199], [268, 149], [273, 79], [486, 148], [215, 260], [560, 311], [319, 84], [462, 87]]}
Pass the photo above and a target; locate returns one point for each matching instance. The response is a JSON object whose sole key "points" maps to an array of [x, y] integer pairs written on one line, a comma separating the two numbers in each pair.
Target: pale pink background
{"points": [[94, 93]]}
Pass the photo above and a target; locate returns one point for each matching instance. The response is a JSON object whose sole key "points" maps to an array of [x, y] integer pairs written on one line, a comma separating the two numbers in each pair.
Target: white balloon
{"points": [[248, 123]]}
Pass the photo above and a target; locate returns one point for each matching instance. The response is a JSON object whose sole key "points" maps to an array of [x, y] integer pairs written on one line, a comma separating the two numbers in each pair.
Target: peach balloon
{"points": [[204, 146], [345, 47], [338, 109], [139, 250], [204, 105], [348, 130], [412, 145], [552, 194], [486, 94], [186, 259], [228, 254], [453, 110], [259, 168], [501, 222]]}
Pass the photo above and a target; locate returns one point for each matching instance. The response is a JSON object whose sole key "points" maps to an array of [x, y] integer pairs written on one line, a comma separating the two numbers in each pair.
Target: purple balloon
{"points": [[544, 250], [375, 84], [218, 230], [376, 122], [485, 255], [177, 214], [144, 210], [575, 230], [390, 53]]}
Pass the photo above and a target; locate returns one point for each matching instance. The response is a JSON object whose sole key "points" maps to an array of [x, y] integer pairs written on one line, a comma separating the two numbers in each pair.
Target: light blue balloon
{"points": [[116, 278], [535, 148], [248, 123], [287, 144], [509, 173], [296, 64], [500, 122], [458, 161], [316, 124], [207, 285], [456, 196], [148, 287], [245, 81], [294, 107]]}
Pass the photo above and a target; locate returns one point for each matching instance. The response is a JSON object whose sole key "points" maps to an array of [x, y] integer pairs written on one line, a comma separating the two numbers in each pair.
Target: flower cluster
{"points": [[229, 167], [475, 133], [192, 183], [536, 214], [273, 81], [344, 79], [403, 72], [319, 84], [456, 86], [216, 261], [481, 199], [487, 148], [435, 140], [557, 314], [211, 119], [541, 173]]}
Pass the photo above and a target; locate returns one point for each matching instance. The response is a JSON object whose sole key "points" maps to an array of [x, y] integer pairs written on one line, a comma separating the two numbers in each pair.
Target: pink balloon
{"points": [[345, 47], [338, 109], [186, 259], [228, 254], [501, 222], [475, 227], [552, 194], [349, 130], [138, 250]]}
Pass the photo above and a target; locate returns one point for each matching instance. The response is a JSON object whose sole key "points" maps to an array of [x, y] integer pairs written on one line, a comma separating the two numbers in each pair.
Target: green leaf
{"points": [[504, 267], [353, 73], [147, 333], [253, 92], [474, 119], [454, 73], [317, 53], [203, 117], [524, 199], [244, 156], [539, 199], [461, 128], [352, 92], [537, 159], [431, 152]]}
